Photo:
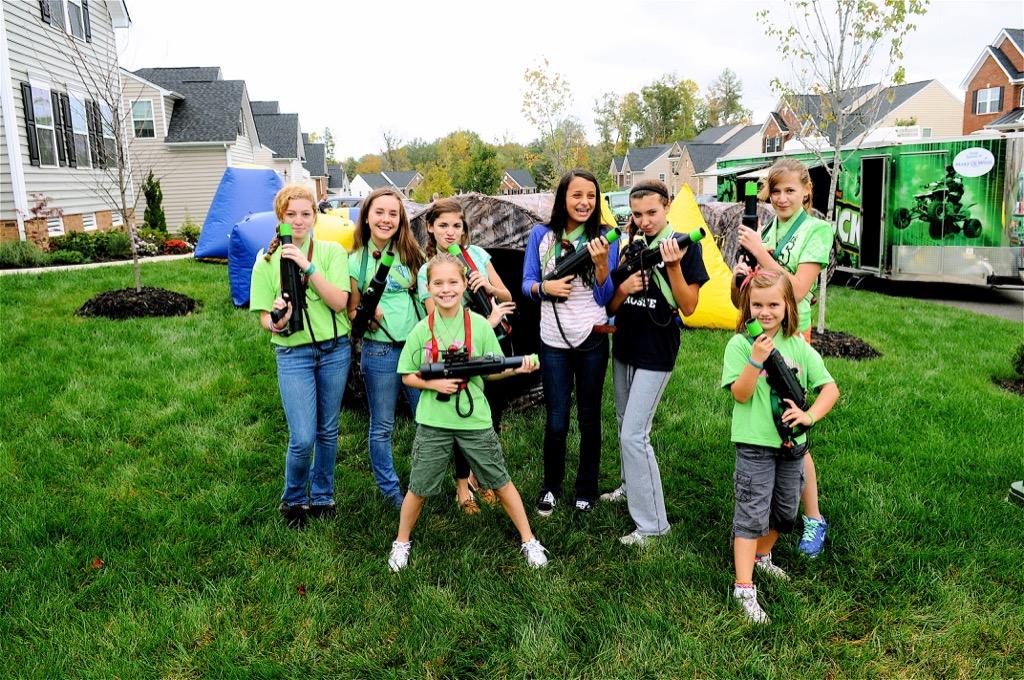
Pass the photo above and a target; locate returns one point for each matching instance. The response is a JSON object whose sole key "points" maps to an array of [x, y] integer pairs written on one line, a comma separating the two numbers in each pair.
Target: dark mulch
{"points": [[1015, 385], [842, 345], [127, 303]]}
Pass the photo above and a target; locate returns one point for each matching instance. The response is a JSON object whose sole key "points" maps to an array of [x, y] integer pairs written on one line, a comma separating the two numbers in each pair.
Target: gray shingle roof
{"points": [[209, 109], [640, 158], [703, 156], [1014, 117], [1005, 62], [522, 177], [262, 107], [167, 77], [1017, 36], [375, 180], [617, 162], [865, 116], [400, 179], [743, 135], [780, 121], [713, 135], [335, 176], [279, 131], [316, 158]]}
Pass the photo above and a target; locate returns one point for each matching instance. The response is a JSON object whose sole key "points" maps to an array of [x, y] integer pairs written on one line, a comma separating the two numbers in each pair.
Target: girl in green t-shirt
{"points": [[798, 245], [383, 223], [768, 470], [446, 226], [454, 413]]}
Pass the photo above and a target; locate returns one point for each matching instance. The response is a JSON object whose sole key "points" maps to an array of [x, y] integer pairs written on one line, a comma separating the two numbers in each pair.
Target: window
{"points": [[79, 129], [115, 219], [89, 222], [661, 176], [772, 144], [142, 117], [55, 226], [1021, 103], [76, 21], [42, 107], [988, 100], [926, 132], [109, 142], [241, 123], [54, 11]]}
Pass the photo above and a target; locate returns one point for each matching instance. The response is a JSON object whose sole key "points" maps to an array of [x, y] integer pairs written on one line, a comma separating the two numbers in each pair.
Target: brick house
{"points": [[517, 181], [995, 84]]}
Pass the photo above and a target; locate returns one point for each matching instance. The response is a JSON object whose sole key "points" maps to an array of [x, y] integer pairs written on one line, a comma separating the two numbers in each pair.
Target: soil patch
{"points": [[128, 303], [842, 345], [1015, 385]]}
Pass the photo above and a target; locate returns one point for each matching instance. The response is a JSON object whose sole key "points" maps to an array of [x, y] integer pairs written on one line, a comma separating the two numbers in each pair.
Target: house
{"points": [[282, 141], [699, 158], [995, 85], [518, 181], [316, 165], [188, 125], [57, 124], [404, 182], [337, 180], [647, 162]]}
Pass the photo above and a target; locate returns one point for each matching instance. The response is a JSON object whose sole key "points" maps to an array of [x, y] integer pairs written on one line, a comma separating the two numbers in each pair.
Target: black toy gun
{"points": [[367, 307], [292, 289], [458, 365], [576, 263], [479, 301], [640, 257], [784, 383], [749, 220]]}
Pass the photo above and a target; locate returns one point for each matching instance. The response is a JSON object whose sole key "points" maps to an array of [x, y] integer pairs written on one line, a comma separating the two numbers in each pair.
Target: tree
{"points": [[393, 155], [369, 163], [832, 47], [154, 216], [668, 109], [435, 181], [328, 138], [482, 172], [723, 103], [351, 167], [546, 102]]}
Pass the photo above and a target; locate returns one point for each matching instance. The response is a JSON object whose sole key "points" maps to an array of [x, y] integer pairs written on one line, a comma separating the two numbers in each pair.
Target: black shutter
{"points": [[92, 117], [44, 9], [974, 102], [69, 130], [58, 128], [999, 104], [30, 123], [85, 21]]}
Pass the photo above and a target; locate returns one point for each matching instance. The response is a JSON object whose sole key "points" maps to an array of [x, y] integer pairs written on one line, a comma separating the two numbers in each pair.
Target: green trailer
{"points": [[926, 210]]}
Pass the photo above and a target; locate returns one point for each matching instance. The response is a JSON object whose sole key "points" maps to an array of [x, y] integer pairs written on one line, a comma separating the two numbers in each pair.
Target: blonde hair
{"points": [[763, 279], [287, 194], [784, 166], [445, 258]]}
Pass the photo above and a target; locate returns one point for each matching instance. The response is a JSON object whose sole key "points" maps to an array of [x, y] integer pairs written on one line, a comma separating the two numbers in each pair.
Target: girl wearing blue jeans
{"points": [[383, 223], [573, 350], [312, 364]]}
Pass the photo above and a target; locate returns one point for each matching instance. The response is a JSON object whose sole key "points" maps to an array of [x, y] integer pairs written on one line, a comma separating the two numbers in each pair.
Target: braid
{"points": [[274, 245]]}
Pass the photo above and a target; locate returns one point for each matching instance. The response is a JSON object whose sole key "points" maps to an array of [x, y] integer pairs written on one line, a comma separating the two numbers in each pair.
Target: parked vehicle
{"points": [[618, 201]]}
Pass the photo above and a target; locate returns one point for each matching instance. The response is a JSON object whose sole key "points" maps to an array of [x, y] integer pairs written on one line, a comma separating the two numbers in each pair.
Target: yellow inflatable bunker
{"points": [[332, 227]]}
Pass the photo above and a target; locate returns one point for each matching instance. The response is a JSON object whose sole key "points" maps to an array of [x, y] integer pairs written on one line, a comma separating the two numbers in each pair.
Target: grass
{"points": [[155, 446]]}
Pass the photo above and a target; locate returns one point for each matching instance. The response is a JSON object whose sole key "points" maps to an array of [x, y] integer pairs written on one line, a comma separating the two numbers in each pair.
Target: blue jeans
{"points": [[379, 363], [559, 370], [312, 380]]}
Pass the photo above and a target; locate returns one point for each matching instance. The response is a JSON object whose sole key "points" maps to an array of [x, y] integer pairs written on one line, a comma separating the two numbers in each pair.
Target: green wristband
{"points": [[310, 270]]}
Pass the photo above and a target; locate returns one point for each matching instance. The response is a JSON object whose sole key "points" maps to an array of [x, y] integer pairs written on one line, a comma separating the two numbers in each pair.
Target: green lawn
{"points": [[156, 446]]}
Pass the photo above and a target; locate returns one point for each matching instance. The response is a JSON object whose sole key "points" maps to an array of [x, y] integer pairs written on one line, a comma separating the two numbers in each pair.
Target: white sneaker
{"points": [[399, 558], [768, 567], [635, 538], [533, 551], [616, 496], [747, 597]]}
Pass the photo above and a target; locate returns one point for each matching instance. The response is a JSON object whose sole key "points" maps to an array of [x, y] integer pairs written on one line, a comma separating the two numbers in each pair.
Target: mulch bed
{"points": [[128, 303], [1015, 385], [842, 345]]}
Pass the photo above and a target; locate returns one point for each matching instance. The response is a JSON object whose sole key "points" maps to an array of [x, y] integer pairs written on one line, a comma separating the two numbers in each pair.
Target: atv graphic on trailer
{"points": [[939, 205]]}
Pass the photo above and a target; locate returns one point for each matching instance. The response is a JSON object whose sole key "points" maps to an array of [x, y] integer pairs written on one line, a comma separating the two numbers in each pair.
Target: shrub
{"points": [[18, 254], [154, 236], [75, 241], [64, 257], [189, 231], [154, 215], [1018, 360], [113, 245], [176, 246]]}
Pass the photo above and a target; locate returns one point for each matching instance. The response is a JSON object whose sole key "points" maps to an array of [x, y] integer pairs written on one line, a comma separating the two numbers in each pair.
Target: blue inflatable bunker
{"points": [[242, 191], [248, 237]]}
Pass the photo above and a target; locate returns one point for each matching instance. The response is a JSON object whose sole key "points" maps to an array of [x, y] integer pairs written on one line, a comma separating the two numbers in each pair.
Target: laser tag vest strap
{"points": [[577, 238], [657, 274], [780, 245], [401, 313]]}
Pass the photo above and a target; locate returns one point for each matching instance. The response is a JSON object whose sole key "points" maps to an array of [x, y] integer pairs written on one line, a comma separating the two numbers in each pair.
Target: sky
{"points": [[424, 69]]}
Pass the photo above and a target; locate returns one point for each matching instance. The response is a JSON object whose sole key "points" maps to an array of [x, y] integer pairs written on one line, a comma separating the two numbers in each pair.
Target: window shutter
{"points": [[30, 124], [85, 21], [44, 10], [94, 122], [974, 102], [58, 128], [999, 104], [69, 130]]}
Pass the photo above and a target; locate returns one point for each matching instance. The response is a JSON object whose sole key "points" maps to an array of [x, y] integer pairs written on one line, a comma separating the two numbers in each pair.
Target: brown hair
{"points": [[782, 167], [441, 207], [287, 194], [643, 189], [408, 250], [445, 258], [769, 278]]}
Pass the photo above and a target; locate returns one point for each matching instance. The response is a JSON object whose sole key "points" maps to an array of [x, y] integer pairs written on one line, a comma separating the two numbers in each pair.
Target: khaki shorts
{"points": [[433, 447]]}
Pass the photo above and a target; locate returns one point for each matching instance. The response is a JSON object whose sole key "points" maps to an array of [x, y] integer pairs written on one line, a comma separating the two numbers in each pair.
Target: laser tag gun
{"points": [[479, 301], [640, 257], [749, 220], [458, 365], [367, 307], [784, 384], [576, 263], [292, 288]]}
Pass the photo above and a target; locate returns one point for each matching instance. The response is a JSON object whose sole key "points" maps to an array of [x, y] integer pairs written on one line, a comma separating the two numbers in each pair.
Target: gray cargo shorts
{"points": [[767, 488]]}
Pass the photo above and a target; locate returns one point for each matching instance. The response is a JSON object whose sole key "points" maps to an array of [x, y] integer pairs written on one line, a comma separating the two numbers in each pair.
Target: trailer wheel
{"points": [[902, 218], [972, 228]]}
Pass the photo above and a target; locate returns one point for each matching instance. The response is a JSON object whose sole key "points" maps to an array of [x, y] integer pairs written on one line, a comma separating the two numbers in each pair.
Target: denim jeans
{"points": [[560, 369], [379, 363], [312, 380]]}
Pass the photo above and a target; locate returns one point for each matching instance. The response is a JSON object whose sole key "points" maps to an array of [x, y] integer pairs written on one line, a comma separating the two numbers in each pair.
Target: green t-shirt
{"points": [[480, 258], [752, 422], [265, 287], [396, 303], [417, 351], [812, 242]]}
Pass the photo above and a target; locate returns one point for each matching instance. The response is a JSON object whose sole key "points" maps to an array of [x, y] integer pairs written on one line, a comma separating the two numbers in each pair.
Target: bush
{"points": [[189, 231], [154, 215], [1018, 360], [113, 245], [176, 247], [76, 241], [63, 257], [18, 254], [154, 236]]}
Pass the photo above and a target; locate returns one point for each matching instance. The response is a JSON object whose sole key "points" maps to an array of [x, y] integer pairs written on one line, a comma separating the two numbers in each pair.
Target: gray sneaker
{"points": [[616, 496], [399, 558], [747, 597], [636, 538], [766, 566]]}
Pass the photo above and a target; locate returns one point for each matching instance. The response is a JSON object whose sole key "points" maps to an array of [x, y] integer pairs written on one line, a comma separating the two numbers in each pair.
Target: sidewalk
{"points": [[92, 265]]}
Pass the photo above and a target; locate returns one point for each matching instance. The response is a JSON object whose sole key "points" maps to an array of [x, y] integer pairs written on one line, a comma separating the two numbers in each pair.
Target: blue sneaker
{"points": [[813, 540]]}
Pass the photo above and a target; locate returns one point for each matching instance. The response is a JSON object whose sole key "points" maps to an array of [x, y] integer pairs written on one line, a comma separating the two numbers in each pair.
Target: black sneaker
{"points": [[545, 503], [327, 511], [583, 505], [294, 515]]}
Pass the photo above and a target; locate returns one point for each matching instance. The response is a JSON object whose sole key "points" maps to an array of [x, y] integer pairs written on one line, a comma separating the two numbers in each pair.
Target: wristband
{"points": [[756, 364], [310, 270], [540, 290], [812, 420]]}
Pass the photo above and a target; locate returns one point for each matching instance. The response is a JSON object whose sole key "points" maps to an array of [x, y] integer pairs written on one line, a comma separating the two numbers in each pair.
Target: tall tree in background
{"points": [[723, 102], [482, 172], [668, 109], [351, 167], [328, 138], [393, 155], [832, 47], [435, 181], [546, 102]]}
